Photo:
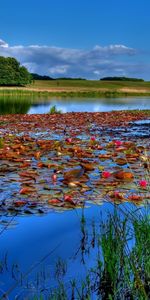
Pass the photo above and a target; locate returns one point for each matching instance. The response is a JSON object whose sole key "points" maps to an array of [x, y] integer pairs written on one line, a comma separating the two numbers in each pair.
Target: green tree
{"points": [[12, 74], [24, 76]]}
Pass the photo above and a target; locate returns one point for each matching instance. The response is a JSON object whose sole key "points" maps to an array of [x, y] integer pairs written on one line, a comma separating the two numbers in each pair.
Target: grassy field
{"points": [[90, 84], [83, 87]]}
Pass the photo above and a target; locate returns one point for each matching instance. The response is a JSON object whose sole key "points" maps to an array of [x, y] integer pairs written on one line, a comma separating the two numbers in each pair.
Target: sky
{"points": [[78, 38]]}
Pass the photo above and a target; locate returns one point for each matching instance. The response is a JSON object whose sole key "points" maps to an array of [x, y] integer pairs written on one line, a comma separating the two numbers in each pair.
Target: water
{"points": [[44, 238], [41, 105], [34, 242]]}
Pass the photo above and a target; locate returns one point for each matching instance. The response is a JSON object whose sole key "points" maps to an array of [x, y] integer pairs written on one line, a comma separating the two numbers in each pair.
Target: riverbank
{"points": [[80, 88]]}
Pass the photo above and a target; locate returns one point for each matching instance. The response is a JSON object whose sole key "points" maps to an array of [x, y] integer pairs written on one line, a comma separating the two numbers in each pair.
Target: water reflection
{"points": [[41, 105], [90, 104], [14, 105], [22, 257]]}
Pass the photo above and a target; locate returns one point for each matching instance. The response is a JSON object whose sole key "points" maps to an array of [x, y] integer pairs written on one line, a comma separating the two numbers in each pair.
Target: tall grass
{"points": [[81, 88], [73, 93], [122, 269], [54, 110]]}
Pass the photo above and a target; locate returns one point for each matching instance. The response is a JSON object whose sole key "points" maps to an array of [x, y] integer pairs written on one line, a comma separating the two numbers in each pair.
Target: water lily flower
{"points": [[54, 176], [68, 198], [116, 194], [143, 183], [68, 140], [93, 138], [106, 174], [118, 143]]}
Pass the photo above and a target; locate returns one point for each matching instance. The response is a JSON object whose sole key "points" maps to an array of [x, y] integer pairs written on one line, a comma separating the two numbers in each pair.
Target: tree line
{"points": [[12, 73], [120, 79]]}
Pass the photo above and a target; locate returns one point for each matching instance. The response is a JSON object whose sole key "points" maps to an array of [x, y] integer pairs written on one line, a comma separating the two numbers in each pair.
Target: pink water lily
{"points": [[116, 194], [54, 177], [68, 140], [106, 174], [143, 183], [118, 143], [93, 138]]}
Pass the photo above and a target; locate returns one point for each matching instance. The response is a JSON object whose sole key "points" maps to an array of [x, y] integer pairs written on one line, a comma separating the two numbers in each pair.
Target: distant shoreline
{"points": [[80, 88], [72, 93]]}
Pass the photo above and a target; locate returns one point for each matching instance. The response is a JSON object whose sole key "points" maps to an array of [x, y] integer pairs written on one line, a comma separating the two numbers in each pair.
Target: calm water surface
{"points": [[42, 239], [32, 242], [36, 105]]}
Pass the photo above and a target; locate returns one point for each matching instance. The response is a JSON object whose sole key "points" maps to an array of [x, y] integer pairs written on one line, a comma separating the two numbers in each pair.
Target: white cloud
{"points": [[56, 61], [58, 69], [3, 44]]}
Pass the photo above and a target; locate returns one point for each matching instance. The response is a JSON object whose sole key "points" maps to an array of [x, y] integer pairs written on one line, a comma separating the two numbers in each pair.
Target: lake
{"points": [[42, 105], [40, 243]]}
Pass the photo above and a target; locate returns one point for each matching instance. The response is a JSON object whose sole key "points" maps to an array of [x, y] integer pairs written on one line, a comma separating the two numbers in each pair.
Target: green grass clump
{"points": [[54, 110], [120, 265], [122, 269]]}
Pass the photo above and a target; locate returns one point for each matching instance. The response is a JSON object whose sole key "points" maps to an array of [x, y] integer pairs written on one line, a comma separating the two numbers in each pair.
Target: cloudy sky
{"points": [[81, 38]]}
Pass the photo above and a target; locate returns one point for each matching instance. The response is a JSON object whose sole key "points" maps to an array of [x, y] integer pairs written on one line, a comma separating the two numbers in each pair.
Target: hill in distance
{"points": [[36, 76], [115, 78]]}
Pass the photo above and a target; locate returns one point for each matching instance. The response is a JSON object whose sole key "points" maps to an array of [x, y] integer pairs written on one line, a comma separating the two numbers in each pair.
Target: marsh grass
{"points": [[54, 110], [81, 88], [122, 269], [73, 93], [121, 265]]}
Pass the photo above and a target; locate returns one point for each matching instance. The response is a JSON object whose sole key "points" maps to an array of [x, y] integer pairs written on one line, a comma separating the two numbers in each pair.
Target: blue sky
{"points": [[91, 39]]}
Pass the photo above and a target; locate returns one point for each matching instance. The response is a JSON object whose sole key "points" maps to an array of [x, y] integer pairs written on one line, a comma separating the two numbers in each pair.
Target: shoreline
{"points": [[73, 93], [77, 90]]}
